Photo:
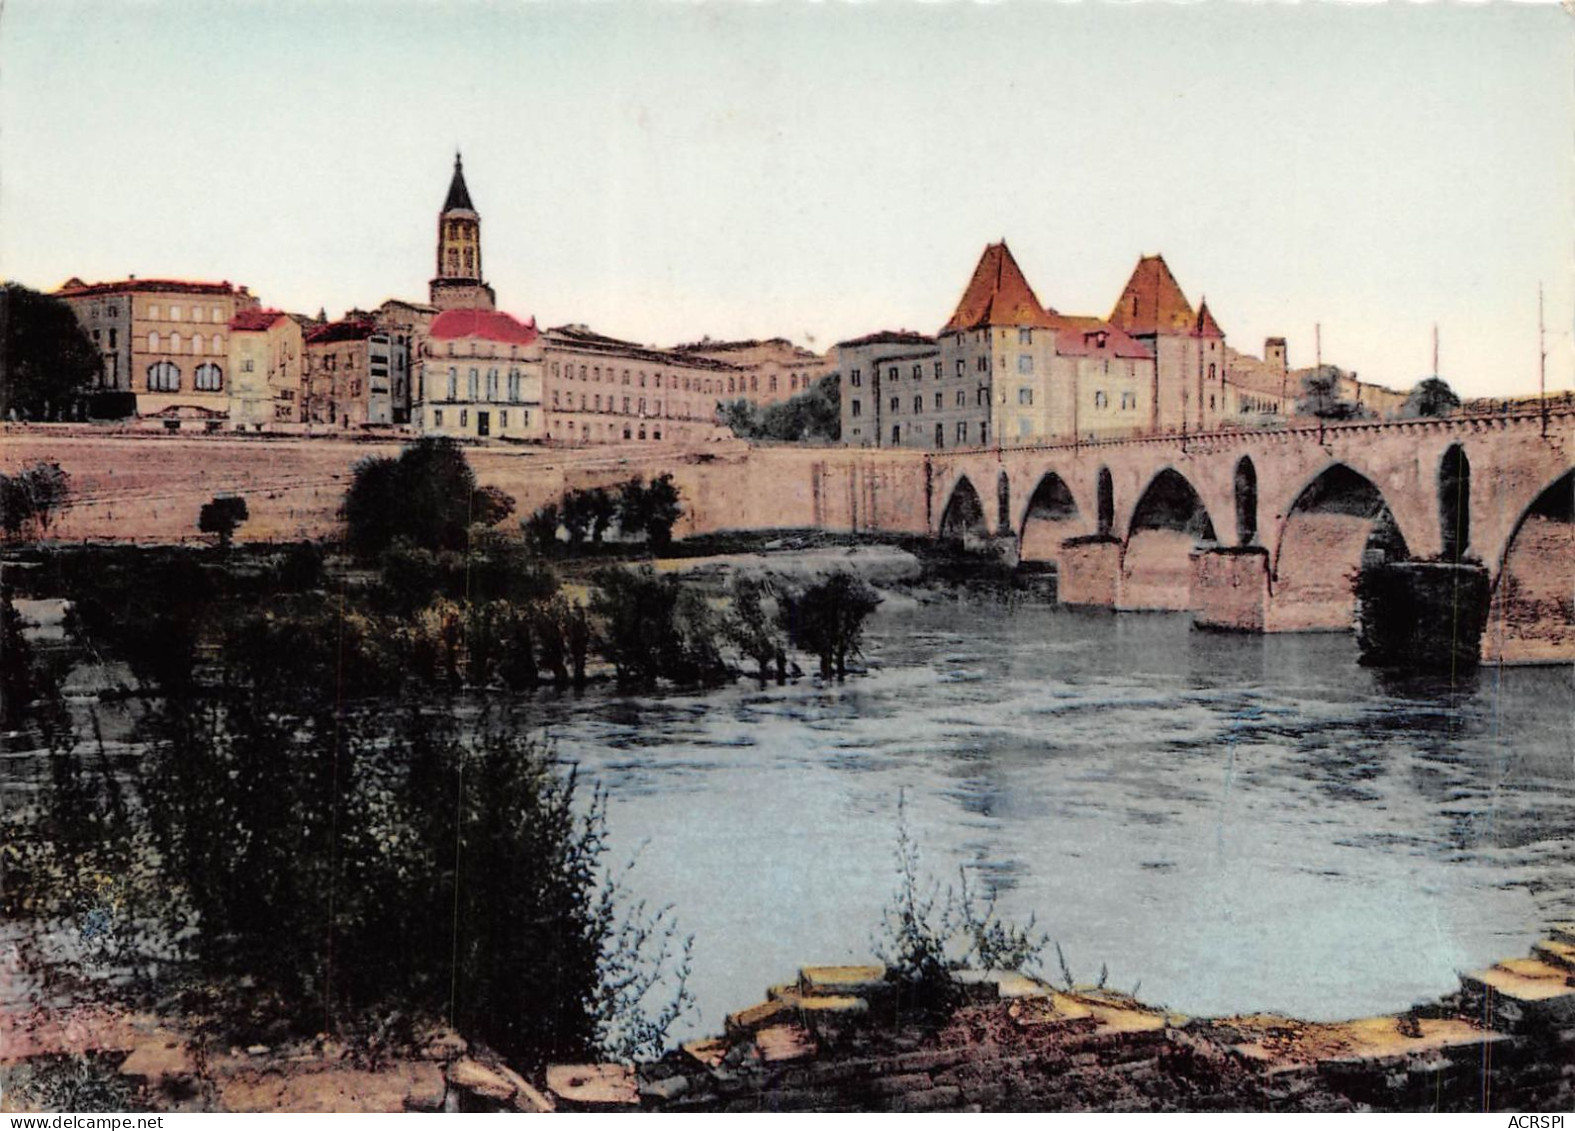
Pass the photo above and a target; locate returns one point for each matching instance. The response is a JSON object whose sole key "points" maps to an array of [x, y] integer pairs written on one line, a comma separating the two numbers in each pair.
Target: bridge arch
{"points": [[963, 519], [1246, 491], [1168, 522], [1051, 517], [1337, 524], [1531, 616]]}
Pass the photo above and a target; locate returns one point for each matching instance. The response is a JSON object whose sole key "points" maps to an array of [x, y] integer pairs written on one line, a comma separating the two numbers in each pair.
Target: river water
{"points": [[1237, 822]]}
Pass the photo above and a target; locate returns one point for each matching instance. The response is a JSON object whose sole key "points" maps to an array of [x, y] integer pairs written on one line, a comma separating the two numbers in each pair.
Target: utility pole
{"points": [[1435, 349], [1542, 362]]}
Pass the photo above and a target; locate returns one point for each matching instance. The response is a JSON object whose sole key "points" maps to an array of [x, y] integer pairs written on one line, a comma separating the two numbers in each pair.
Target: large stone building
{"points": [[357, 375], [267, 364], [480, 376], [164, 341], [770, 371]]}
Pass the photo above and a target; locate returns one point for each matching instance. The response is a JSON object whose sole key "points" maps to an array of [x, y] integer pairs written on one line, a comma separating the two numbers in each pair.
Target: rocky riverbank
{"points": [[835, 1040]]}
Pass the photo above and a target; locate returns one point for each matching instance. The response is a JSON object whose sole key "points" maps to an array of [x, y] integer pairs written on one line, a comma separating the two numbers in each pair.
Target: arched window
{"points": [[209, 378], [472, 383], [492, 384], [453, 383], [153, 341], [218, 344], [175, 343], [163, 377]]}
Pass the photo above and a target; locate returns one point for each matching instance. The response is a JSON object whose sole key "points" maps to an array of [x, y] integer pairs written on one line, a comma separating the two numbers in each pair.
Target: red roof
{"points": [[1206, 326], [1152, 302], [74, 287], [1081, 336], [493, 325], [997, 295], [256, 319]]}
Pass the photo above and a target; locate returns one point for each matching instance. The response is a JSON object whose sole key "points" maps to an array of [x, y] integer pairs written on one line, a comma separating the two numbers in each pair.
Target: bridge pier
{"points": [[1089, 571], [1423, 616], [1230, 588]]}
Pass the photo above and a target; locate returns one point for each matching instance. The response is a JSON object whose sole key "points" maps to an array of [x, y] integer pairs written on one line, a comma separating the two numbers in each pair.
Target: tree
{"points": [[47, 361], [221, 516], [1321, 396], [827, 619], [650, 510], [1432, 396], [32, 495], [815, 414], [427, 497], [654, 627]]}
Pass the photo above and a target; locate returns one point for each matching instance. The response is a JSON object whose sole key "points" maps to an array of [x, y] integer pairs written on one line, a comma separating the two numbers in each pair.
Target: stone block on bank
{"points": [[476, 1077], [756, 1016], [706, 1053], [159, 1060], [857, 981], [781, 1043], [1523, 990], [594, 1085], [1555, 952]]}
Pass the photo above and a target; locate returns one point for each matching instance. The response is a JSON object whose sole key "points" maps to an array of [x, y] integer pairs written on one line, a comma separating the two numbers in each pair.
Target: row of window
{"points": [[483, 419], [594, 374], [561, 400], [177, 313], [471, 350], [514, 384], [1128, 400], [629, 432], [164, 377], [176, 343], [940, 434]]}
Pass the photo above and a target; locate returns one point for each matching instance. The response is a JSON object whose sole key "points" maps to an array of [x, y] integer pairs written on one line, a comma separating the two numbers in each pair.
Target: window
{"points": [[918, 371], [982, 363], [218, 315], [891, 371], [937, 371], [174, 343], [773, 385], [503, 419], [754, 383], [854, 378], [1100, 400], [464, 417], [153, 310], [1211, 371], [896, 433], [1025, 427], [1128, 400], [209, 378], [983, 395], [163, 377], [984, 433], [218, 344], [598, 402], [174, 314], [453, 383], [492, 384], [1211, 400], [940, 434], [940, 401], [153, 341], [1025, 337], [1025, 396], [962, 431], [437, 417], [247, 366], [112, 336], [962, 398], [857, 409], [918, 404], [112, 311], [626, 407], [1025, 363], [896, 405], [472, 383]]}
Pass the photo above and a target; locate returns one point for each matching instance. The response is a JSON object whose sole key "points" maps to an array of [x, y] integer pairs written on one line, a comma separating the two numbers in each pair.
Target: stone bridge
{"points": [[1265, 530]]}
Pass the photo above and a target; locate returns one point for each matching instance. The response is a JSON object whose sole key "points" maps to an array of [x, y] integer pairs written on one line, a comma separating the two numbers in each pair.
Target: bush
{"points": [[32, 496], [827, 619], [427, 497], [652, 627]]}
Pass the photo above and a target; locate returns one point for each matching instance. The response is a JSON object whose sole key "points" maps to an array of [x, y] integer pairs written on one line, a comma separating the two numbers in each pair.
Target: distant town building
{"points": [[267, 364], [771, 370], [602, 390], [353, 368], [480, 375], [458, 282], [164, 341]]}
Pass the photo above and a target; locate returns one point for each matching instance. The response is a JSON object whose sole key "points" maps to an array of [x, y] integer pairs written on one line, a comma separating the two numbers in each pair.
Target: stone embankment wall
{"points": [[141, 487], [835, 1040]]}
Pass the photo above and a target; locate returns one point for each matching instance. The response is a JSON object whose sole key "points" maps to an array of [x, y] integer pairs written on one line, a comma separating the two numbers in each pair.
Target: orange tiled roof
{"points": [[1081, 336], [1206, 327], [256, 319], [74, 287], [1152, 302], [350, 330], [997, 295]]}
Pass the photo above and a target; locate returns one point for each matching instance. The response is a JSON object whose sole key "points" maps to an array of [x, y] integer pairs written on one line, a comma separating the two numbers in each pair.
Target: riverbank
{"points": [[832, 1041]]}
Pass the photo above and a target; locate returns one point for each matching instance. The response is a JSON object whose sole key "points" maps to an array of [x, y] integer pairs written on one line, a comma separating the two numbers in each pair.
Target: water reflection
{"points": [[1241, 822]]}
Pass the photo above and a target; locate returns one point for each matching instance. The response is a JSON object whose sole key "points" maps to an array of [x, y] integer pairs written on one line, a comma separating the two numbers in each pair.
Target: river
{"points": [[1239, 823]]}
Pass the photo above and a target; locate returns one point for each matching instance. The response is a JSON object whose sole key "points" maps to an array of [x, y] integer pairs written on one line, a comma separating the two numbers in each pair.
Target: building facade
{"points": [[164, 341], [480, 376], [267, 365], [770, 371], [352, 370]]}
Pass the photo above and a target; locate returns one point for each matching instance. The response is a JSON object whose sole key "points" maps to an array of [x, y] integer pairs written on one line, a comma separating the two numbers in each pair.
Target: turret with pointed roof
{"points": [[1152, 302], [997, 295], [1206, 327], [458, 283]]}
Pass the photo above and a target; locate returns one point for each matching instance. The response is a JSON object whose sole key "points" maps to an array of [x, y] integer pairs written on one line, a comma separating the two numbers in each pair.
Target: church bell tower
{"points": [[458, 283]]}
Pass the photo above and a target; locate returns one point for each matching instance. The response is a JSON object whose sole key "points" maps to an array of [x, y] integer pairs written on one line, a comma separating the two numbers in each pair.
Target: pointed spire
{"points": [[1152, 302], [997, 295], [1206, 327], [458, 194]]}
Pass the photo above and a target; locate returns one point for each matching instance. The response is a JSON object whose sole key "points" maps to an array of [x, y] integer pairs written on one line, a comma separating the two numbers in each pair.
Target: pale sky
{"points": [[819, 171]]}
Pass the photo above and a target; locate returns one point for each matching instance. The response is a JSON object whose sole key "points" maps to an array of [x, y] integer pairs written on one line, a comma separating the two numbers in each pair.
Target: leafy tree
{"points": [[654, 627], [427, 497], [1321, 396], [1432, 396], [813, 415], [754, 630], [827, 619], [221, 516], [47, 361], [541, 528], [32, 496], [602, 506], [651, 510]]}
